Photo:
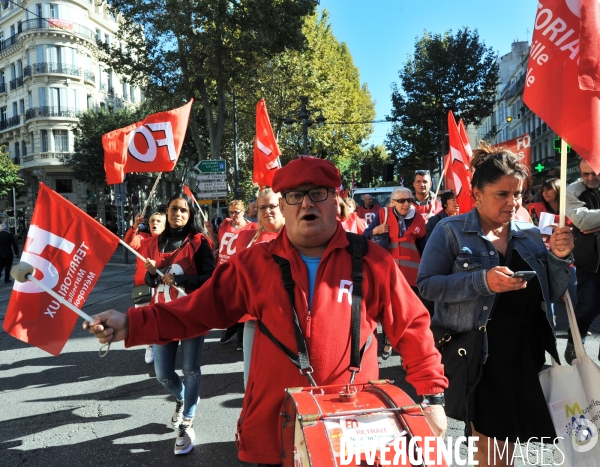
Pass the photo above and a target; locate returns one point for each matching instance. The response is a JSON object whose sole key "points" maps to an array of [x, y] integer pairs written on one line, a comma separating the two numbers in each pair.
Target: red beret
{"points": [[306, 170]]}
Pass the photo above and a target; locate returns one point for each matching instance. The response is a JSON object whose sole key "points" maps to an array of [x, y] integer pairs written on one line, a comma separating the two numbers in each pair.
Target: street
{"points": [[79, 409]]}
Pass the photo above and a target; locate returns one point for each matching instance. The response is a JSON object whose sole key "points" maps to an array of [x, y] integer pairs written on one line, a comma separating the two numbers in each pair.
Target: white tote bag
{"points": [[573, 397]]}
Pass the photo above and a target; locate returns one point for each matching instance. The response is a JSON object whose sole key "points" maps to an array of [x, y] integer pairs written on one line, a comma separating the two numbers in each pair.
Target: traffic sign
{"points": [[212, 166], [212, 195], [212, 186], [206, 178]]}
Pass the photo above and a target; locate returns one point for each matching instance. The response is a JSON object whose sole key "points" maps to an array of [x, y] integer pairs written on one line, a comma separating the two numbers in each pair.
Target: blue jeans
{"points": [[164, 366], [588, 299]]}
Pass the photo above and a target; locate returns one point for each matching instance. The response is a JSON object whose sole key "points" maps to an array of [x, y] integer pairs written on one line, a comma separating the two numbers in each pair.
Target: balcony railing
{"points": [[16, 83], [12, 40], [27, 71], [89, 76], [60, 68], [10, 122], [103, 87], [47, 111], [58, 24], [2, 87]]}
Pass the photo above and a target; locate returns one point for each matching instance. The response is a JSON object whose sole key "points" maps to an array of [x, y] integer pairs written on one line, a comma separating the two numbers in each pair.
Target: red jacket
{"points": [[354, 224], [367, 214], [425, 209], [228, 238], [259, 292], [135, 243]]}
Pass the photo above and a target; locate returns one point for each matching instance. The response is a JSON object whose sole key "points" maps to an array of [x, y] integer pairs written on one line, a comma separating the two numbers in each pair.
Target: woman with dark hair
{"points": [[184, 255], [550, 200], [467, 270], [450, 205]]}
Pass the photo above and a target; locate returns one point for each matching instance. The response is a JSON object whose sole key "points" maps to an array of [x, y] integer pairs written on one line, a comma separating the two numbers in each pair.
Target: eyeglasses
{"points": [[403, 200], [270, 207], [234, 213], [297, 196], [421, 172]]}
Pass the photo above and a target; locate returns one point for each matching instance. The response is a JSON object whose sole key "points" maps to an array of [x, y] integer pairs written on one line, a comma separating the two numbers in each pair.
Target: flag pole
{"points": [[151, 194], [130, 248], [563, 183], [437, 189], [23, 272]]}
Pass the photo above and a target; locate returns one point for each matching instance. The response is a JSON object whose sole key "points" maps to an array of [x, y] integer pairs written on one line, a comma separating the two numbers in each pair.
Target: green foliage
{"points": [[324, 72], [447, 72], [9, 176], [179, 49]]}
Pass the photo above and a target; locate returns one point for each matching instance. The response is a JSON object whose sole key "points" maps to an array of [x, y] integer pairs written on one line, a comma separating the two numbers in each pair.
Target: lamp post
{"points": [[303, 114]]}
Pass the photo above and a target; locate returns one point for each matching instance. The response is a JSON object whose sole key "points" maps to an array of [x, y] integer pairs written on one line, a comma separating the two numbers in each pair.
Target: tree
{"points": [[9, 173], [447, 72], [179, 49], [324, 72]]}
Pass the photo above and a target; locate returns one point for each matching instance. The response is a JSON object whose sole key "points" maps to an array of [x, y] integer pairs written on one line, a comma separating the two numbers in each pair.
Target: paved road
{"points": [[78, 409]]}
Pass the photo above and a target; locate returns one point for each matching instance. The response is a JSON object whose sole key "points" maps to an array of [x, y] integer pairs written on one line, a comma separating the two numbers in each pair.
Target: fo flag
{"points": [[152, 145], [266, 151], [563, 73], [456, 163], [68, 250]]}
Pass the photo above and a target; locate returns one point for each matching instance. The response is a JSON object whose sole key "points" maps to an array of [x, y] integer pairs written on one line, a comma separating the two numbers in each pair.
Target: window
{"points": [[64, 185], [53, 10], [132, 93], [31, 142], [24, 148], [107, 39], [44, 138], [98, 35], [17, 150], [61, 140], [90, 102], [22, 107], [3, 114], [15, 109]]}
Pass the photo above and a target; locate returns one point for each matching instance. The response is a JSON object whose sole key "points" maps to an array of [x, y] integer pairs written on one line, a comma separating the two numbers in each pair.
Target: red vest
{"points": [[228, 235], [367, 214], [425, 209], [354, 224], [182, 264], [403, 249], [244, 238]]}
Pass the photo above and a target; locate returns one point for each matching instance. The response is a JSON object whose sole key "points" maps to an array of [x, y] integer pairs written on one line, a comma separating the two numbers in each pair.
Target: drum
{"points": [[328, 426]]}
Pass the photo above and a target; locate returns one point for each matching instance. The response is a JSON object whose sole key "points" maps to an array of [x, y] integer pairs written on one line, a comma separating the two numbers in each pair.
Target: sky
{"points": [[381, 33]]}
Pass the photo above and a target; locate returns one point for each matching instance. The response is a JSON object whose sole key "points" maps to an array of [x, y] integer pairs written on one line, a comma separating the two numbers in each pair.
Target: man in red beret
{"points": [[315, 244]]}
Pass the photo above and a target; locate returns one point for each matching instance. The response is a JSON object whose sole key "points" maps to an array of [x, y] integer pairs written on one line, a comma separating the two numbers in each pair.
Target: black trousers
{"points": [[5, 264]]}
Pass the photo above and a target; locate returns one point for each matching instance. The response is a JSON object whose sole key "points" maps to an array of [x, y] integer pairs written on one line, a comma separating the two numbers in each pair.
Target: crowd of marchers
{"points": [[277, 277]]}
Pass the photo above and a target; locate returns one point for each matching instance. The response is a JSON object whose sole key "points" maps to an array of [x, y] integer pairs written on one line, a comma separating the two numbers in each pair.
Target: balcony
{"points": [[103, 87], [16, 83], [57, 25], [12, 40], [47, 111], [10, 122], [2, 88], [56, 68], [89, 76], [27, 71]]}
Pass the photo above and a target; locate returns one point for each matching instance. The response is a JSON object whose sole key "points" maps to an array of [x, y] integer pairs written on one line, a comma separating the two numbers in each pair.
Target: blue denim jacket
{"points": [[455, 262]]}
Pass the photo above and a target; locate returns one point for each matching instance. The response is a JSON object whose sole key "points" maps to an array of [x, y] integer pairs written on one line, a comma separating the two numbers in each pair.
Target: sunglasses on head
{"points": [[421, 172]]}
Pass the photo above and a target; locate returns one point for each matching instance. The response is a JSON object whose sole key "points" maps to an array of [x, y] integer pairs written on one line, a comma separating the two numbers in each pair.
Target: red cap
{"points": [[306, 170]]}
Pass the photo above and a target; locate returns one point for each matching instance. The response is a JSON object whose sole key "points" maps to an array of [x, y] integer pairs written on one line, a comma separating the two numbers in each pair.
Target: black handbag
{"points": [[463, 366], [141, 294]]}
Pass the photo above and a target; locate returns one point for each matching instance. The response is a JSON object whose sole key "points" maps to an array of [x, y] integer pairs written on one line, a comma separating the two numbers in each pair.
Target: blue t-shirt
{"points": [[312, 265]]}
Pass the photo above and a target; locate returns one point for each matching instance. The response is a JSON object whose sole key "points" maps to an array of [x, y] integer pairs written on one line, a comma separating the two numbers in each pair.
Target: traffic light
{"points": [[388, 173], [366, 175]]}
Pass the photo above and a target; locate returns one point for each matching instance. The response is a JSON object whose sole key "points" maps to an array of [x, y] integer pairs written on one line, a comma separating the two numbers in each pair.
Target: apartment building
{"points": [[50, 71]]}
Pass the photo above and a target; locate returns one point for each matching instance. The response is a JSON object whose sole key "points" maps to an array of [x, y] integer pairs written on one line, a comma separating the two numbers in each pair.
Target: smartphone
{"points": [[527, 275]]}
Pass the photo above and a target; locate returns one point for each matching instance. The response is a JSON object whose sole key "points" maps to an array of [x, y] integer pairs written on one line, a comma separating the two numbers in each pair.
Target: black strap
{"points": [[358, 247], [288, 284]]}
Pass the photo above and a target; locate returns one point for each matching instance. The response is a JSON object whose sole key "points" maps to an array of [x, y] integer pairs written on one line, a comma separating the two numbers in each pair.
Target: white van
{"points": [[381, 195]]}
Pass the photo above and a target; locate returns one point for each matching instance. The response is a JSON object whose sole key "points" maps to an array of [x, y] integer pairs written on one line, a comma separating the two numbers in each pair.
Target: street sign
{"points": [[212, 195], [206, 178], [212, 186], [212, 166]]}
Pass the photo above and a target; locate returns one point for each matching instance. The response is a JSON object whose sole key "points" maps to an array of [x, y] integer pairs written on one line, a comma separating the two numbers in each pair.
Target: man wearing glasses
{"points": [[315, 244], [423, 194]]}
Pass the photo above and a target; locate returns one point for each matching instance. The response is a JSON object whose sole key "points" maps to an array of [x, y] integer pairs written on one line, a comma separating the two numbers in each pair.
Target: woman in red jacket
{"points": [[184, 256], [134, 238]]}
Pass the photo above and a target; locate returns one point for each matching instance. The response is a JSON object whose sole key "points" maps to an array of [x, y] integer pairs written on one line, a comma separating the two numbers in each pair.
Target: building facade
{"points": [[50, 71]]}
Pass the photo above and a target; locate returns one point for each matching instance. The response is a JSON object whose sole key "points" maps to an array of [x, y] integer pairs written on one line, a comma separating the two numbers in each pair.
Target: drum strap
{"points": [[357, 247]]}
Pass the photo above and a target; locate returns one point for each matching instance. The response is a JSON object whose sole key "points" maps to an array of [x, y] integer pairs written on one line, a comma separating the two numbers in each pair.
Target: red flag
{"points": [[462, 131], [188, 192], [266, 151], [68, 250], [152, 145], [559, 91], [458, 175]]}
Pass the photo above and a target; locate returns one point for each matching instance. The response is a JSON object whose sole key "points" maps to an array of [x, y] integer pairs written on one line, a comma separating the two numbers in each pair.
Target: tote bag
{"points": [[573, 397]]}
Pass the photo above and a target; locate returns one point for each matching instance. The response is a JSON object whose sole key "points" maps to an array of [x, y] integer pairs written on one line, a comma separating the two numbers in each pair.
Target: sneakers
{"points": [[570, 354], [149, 354], [228, 335], [177, 416], [185, 439]]}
